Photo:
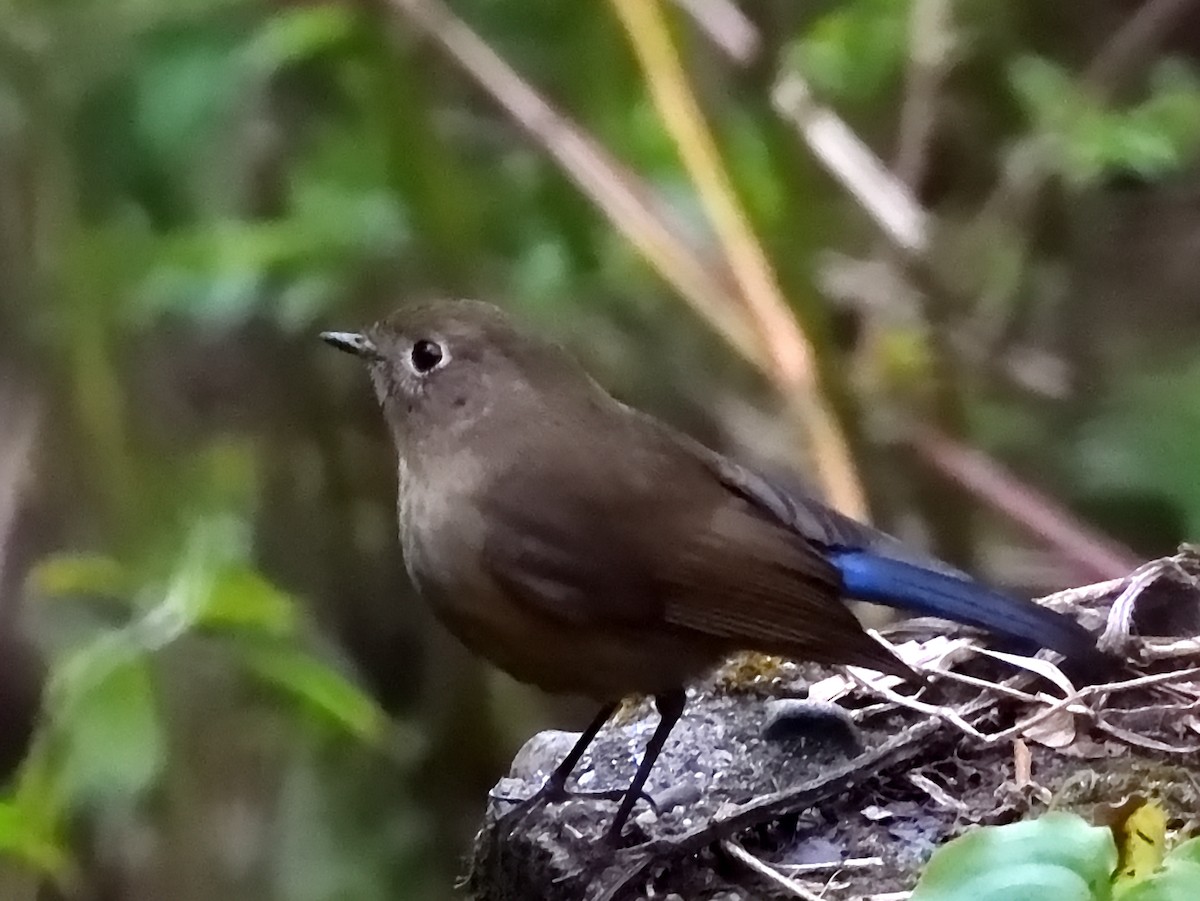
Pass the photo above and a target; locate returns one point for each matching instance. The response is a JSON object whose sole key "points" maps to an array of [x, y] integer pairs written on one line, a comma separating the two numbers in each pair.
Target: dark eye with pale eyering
{"points": [[426, 355]]}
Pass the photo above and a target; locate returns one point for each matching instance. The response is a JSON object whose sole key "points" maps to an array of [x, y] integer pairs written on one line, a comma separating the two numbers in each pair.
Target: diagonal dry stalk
{"points": [[901, 220], [791, 357], [1042, 516]]}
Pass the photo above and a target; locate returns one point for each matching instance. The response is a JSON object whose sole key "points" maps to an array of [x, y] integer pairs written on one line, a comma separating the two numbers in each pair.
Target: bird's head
{"points": [[442, 368]]}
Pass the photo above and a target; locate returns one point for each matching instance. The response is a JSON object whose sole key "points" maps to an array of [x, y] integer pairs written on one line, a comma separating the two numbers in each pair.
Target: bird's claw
{"points": [[553, 792]]}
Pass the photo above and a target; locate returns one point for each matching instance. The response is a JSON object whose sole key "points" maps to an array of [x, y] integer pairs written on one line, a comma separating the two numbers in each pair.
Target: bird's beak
{"points": [[352, 343]]}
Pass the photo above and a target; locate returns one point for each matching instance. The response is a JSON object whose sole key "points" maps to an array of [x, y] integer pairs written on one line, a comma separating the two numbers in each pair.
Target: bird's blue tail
{"points": [[882, 580]]}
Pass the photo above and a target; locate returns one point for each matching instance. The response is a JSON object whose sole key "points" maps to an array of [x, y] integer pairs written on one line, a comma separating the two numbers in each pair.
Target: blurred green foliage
{"points": [[103, 741], [856, 52], [1090, 141], [189, 189]]}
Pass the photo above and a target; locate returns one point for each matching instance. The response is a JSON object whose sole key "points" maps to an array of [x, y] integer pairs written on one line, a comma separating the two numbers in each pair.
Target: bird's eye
{"points": [[426, 355]]}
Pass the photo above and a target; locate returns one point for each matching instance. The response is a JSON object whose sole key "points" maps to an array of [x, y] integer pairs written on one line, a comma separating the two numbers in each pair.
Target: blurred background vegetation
{"points": [[214, 680]]}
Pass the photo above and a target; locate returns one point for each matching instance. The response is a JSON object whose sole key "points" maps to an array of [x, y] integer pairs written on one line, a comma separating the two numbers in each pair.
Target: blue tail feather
{"points": [[881, 580]]}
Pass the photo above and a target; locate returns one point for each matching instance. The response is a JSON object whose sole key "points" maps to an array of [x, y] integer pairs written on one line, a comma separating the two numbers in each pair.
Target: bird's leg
{"points": [[555, 788], [670, 709]]}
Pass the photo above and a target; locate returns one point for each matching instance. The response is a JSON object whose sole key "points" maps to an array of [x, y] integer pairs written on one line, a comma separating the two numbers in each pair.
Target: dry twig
{"points": [[791, 358], [768, 872], [1049, 520]]}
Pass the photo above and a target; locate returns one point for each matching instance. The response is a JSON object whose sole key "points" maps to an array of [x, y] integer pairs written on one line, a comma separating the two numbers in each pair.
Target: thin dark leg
{"points": [[556, 785], [555, 788], [670, 709]]}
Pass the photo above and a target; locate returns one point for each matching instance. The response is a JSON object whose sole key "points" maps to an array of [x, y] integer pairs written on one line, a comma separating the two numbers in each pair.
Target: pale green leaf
{"points": [[317, 686], [1177, 880], [1047, 92], [300, 34], [856, 51], [111, 737], [21, 836], [242, 599], [1057, 856], [71, 574]]}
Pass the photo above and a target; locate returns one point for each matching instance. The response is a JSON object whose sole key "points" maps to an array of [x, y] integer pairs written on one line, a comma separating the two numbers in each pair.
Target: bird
{"points": [[586, 547]]}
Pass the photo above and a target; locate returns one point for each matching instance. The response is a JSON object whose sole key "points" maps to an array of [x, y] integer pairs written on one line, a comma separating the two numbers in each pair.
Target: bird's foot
{"points": [[554, 792], [616, 839]]}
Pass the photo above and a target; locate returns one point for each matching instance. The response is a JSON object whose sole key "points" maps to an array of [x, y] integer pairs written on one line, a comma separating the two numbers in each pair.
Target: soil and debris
{"points": [[784, 781]]}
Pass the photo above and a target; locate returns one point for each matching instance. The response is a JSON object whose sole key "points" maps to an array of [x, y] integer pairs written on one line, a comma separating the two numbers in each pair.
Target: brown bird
{"points": [[585, 547]]}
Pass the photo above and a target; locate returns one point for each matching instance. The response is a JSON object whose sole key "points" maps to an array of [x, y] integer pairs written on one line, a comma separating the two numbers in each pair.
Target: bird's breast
{"points": [[442, 538]]}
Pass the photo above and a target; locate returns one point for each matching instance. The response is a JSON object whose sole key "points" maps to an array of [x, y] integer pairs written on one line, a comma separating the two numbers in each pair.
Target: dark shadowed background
{"points": [[215, 681]]}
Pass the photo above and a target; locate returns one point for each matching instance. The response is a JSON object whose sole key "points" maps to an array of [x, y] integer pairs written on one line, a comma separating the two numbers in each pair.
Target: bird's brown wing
{"points": [[759, 586], [809, 518], [554, 545], [678, 550]]}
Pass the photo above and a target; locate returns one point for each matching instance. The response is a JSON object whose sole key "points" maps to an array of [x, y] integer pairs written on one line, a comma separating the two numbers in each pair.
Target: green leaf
{"points": [[1186, 853], [242, 599], [1151, 138], [109, 733], [211, 544], [68, 574], [185, 89], [1177, 880], [1047, 93], [300, 34], [542, 272], [855, 52], [217, 273], [21, 836], [1173, 106], [1058, 856], [317, 686]]}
